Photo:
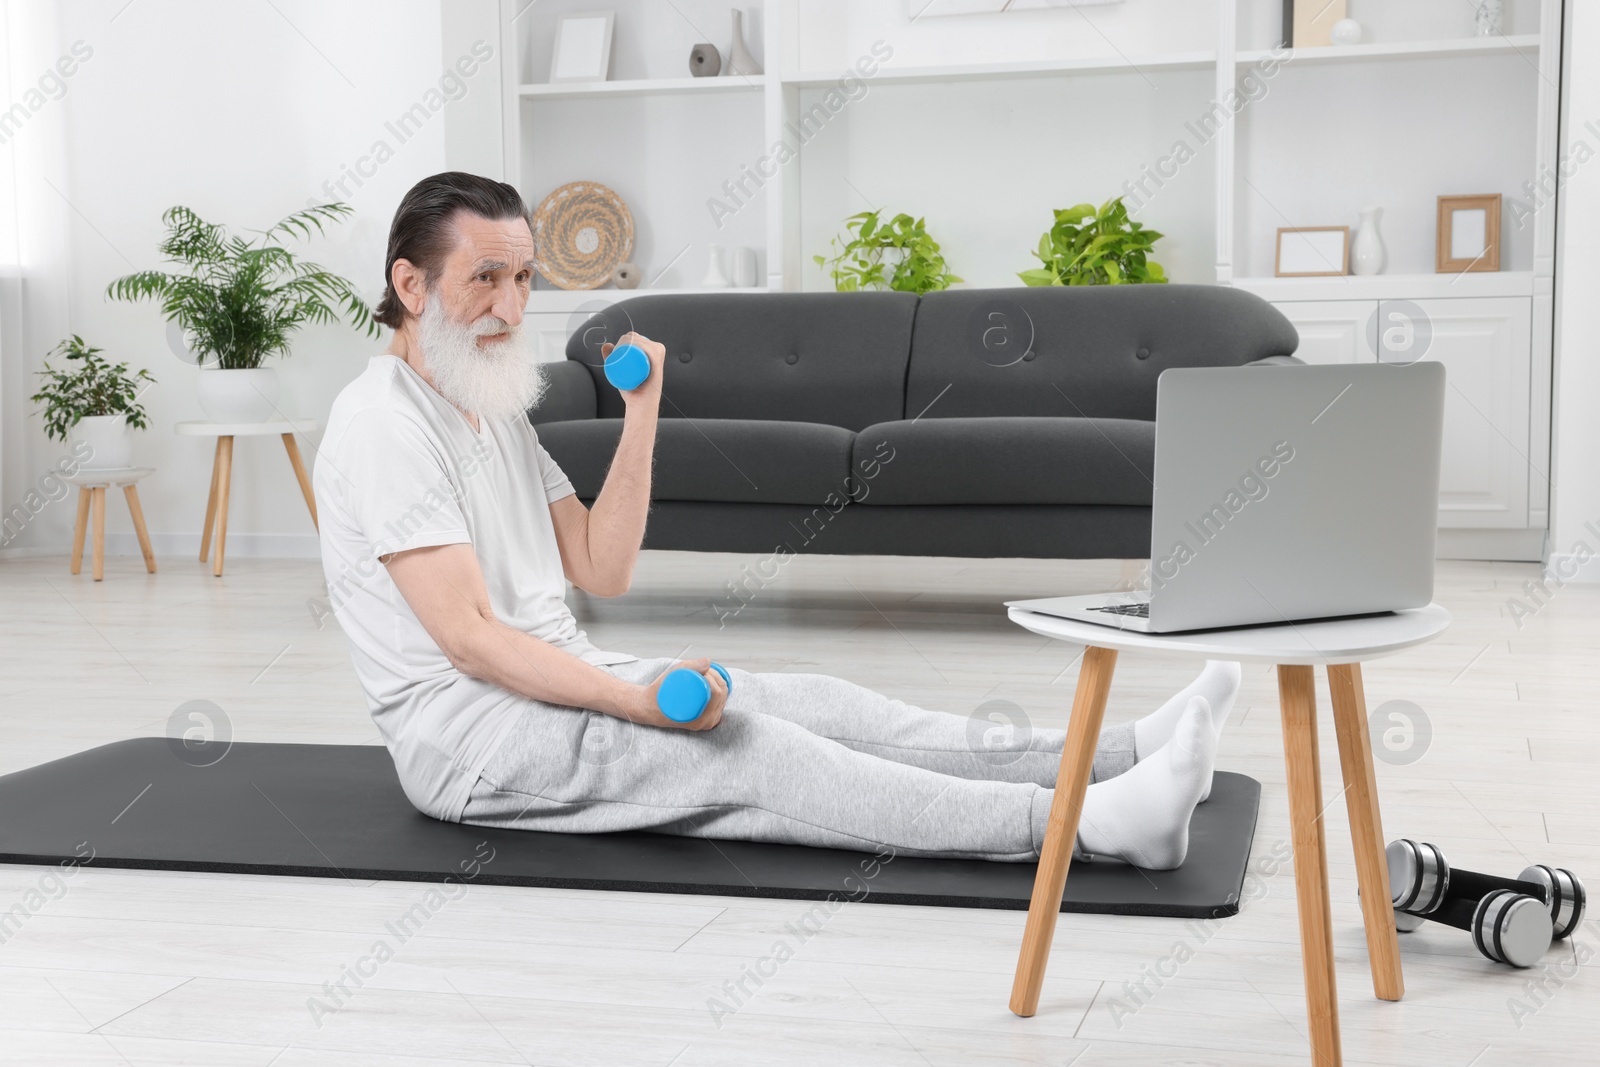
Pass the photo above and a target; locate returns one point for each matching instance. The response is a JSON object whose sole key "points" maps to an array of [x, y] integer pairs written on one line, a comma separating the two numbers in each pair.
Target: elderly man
{"points": [[448, 534]]}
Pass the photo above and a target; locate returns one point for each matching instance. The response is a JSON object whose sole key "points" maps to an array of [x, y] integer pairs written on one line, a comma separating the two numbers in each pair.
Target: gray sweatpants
{"points": [[803, 759]]}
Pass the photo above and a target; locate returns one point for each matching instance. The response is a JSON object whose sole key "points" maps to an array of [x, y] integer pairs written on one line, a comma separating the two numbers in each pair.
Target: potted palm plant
{"points": [[239, 301], [93, 403]]}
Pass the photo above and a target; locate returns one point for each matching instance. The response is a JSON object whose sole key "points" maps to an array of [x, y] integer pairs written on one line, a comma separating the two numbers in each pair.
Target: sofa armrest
{"points": [[1277, 361], [570, 394]]}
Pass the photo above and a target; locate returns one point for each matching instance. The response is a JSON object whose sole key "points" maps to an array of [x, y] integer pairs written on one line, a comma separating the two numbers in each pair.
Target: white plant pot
{"points": [[243, 395], [108, 438]]}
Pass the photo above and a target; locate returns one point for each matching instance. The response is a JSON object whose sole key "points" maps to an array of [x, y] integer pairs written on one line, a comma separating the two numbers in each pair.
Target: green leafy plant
{"points": [[1087, 246], [90, 386], [902, 247], [239, 301]]}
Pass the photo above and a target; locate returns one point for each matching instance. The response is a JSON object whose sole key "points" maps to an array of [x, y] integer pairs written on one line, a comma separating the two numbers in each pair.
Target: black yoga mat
{"points": [[333, 811]]}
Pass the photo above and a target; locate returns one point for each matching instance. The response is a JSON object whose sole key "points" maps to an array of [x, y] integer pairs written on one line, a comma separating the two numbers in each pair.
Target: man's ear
{"points": [[410, 285]]}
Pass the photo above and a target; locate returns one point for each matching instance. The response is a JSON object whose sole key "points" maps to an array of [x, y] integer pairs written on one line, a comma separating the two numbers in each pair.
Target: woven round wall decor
{"points": [[580, 233]]}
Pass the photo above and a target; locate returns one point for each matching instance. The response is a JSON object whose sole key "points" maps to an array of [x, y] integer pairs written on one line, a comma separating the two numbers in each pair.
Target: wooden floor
{"points": [[130, 967]]}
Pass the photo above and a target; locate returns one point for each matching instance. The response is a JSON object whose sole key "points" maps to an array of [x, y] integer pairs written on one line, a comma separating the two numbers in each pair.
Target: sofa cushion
{"points": [[832, 358], [1078, 351], [730, 460], [1006, 461]]}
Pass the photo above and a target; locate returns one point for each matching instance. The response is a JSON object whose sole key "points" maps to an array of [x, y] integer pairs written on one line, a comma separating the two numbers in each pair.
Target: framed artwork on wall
{"points": [[1313, 251], [583, 47], [1468, 234]]}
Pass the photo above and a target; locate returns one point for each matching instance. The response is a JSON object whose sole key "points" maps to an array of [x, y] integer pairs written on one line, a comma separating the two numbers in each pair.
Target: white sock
{"points": [[1142, 817], [1218, 683]]}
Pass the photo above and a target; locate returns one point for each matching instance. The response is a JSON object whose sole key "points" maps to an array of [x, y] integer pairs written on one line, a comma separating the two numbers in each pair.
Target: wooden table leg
{"points": [[1077, 756], [300, 473], [132, 493], [1298, 701], [1366, 827], [211, 503], [224, 479], [79, 529], [97, 503]]}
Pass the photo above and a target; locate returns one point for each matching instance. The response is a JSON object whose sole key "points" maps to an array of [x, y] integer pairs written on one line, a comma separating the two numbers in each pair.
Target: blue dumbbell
{"points": [[684, 693], [627, 367]]}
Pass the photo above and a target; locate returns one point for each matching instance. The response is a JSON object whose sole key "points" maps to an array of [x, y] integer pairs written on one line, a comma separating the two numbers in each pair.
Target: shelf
{"points": [[641, 87], [1353, 53], [1032, 69], [1392, 286], [557, 301]]}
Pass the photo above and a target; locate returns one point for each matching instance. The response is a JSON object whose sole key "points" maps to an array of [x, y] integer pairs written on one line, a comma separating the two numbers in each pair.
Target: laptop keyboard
{"points": [[1140, 610]]}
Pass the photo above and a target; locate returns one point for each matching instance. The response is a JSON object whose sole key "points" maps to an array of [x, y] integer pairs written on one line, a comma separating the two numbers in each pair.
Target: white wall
{"points": [[242, 111], [1575, 517]]}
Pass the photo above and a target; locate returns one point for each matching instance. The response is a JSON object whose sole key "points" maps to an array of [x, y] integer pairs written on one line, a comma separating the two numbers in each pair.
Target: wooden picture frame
{"points": [[1468, 234], [1307, 256], [583, 47], [1309, 23]]}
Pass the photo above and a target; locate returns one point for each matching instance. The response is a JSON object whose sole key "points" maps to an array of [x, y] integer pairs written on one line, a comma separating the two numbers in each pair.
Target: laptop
{"points": [[1284, 494]]}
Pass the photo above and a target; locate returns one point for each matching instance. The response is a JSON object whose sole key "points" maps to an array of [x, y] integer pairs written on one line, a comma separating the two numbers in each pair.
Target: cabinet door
{"points": [[551, 331], [1331, 331], [1485, 345]]}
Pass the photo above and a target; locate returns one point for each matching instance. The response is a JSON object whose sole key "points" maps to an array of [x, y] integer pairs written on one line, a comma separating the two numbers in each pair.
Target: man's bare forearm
{"points": [[617, 520], [525, 665]]}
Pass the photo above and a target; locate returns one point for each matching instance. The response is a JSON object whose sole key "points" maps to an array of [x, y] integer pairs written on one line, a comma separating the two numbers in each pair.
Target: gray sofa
{"points": [[971, 422]]}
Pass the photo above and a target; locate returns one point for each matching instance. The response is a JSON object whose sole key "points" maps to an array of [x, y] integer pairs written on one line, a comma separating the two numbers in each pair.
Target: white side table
{"points": [[92, 485], [222, 471], [1339, 645]]}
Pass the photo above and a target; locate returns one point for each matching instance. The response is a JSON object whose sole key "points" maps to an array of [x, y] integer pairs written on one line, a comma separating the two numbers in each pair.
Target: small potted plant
{"points": [[93, 403], [899, 254], [239, 301], [1090, 246]]}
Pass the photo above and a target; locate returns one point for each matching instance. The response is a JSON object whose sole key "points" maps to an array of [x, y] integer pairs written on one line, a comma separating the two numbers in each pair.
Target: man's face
{"points": [[488, 273]]}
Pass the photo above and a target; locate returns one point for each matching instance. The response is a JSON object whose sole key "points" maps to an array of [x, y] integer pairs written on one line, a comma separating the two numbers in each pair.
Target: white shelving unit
{"points": [[985, 124]]}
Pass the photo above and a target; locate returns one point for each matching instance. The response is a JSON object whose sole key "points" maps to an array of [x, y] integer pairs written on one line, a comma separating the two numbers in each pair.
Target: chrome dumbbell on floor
{"points": [[1511, 920]]}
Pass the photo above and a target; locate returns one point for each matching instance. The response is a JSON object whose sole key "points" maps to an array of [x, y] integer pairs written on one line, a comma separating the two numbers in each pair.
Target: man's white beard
{"points": [[498, 381]]}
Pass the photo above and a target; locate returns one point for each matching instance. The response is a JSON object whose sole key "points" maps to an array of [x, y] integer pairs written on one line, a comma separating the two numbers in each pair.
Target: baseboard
{"points": [[1522, 546], [178, 546]]}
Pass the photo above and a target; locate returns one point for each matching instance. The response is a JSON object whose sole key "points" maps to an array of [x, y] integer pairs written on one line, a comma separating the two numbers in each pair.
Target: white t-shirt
{"points": [[401, 468]]}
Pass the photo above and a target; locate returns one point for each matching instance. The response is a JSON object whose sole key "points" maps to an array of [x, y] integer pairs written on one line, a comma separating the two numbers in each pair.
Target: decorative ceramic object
{"points": [[740, 61], [744, 267], [714, 278], [242, 394], [1347, 31], [580, 233], [705, 61], [1488, 17], [109, 440], [626, 276], [1367, 254]]}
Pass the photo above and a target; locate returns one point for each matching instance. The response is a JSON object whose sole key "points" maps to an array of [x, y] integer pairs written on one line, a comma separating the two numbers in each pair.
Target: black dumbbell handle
{"points": [[1457, 910], [1470, 886]]}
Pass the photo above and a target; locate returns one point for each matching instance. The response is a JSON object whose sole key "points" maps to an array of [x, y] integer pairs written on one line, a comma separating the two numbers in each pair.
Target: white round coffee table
{"points": [[1338, 645], [92, 485], [222, 471]]}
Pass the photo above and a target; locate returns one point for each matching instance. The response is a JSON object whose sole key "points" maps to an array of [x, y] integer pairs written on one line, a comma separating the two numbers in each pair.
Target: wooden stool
{"points": [[222, 472], [92, 486], [1340, 646]]}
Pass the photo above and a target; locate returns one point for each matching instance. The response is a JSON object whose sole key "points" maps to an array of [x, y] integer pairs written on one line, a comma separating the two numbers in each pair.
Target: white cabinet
{"points": [[1331, 331], [1485, 344]]}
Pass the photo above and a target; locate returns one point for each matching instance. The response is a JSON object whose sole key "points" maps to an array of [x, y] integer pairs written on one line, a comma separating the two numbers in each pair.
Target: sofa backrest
{"points": [[832, 358], [1078, 350]]}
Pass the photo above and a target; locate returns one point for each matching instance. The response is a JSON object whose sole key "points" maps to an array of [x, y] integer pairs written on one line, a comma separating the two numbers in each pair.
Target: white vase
{"points": [[1347, 31], [715, 278], [1367, 254], [740, 61], [241, 395], [108, 438], [744, 267], [1488, 16]]}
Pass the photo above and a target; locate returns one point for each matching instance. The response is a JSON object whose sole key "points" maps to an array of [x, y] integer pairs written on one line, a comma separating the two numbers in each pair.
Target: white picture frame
{"points": [[583, 47], [1312, 251]]}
